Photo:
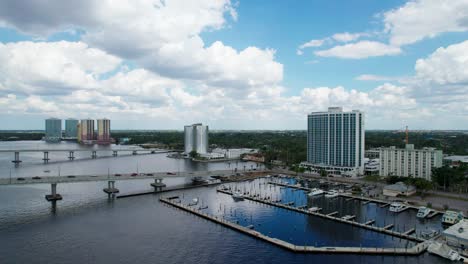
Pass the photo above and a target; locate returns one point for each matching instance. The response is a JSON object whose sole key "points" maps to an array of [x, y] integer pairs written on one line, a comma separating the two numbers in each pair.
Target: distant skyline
{"points": [[234, 65]]}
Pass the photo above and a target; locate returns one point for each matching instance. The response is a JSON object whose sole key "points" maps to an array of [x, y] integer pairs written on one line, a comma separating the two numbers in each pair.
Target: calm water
{"points": [[88, 228]]}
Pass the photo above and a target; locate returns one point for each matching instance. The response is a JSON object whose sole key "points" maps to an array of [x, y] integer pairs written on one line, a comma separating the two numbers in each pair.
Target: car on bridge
{"points": [[36, 178], [71, 176], [20, 179], [170, 173], [149, 174], [117, 174], [134, 174]]}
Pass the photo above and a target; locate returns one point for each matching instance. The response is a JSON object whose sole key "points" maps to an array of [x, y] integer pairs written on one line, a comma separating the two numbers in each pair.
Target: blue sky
{"points": [[234, 64]]}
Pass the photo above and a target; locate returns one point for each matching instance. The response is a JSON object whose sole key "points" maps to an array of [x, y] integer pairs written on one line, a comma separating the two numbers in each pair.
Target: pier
{"points": [[384, 230], [415, 250]]}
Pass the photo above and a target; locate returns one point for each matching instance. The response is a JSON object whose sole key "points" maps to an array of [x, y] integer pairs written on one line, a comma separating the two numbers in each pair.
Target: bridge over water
{"points": [[71, 152], [110, 178]]}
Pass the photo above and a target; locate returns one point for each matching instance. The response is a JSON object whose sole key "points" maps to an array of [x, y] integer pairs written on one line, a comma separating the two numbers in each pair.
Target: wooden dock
{"points": [[415, 250], [370, 222], [410, 231]]}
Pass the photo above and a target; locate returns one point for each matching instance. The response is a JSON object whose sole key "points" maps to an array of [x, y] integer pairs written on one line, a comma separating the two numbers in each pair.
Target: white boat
{"points": [[332, 194], [443, 250], [315, 192], [297, 185], [452, 217], [347, 217], [314, 209], [423, 212], [194, 202], [397, 207], [237, 195]]}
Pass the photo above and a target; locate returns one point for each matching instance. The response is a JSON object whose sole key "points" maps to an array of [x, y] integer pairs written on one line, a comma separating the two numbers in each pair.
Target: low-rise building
{"points": [[457, 235], [256, 157], [455, 160], [408, 162], [399, 188], [372, 154], [371, 166]]}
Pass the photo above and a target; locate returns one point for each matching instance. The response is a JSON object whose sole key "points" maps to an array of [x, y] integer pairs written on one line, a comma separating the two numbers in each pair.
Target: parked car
{"points": [[36, 178]]}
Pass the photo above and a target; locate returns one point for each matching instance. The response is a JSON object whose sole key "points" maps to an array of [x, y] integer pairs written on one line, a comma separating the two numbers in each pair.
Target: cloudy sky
{"points": [[248, 64]]}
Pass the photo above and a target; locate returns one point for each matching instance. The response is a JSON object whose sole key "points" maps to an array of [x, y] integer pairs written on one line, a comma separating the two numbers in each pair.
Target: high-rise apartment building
{"points": [[71, 128], [335, 142], [409, 162], [87, 130], [196, 138], [53, 129], [103, 135]]}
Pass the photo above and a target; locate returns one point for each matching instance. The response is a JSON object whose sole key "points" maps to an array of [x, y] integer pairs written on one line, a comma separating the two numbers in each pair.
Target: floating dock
{"points": [[338, 219], [415, 250]]}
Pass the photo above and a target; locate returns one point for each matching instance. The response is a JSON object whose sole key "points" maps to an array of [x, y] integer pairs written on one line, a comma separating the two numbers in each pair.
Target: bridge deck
{"points": [[106, 177], [80, 150]]}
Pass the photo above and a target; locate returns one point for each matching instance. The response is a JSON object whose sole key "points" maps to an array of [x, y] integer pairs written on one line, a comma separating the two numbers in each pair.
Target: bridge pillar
{"points": [[114, 153], [16, 160], [111, 190], [94, 154], [158, 184], [46, 157], [135, 152], [71, 155], [54, 196]]}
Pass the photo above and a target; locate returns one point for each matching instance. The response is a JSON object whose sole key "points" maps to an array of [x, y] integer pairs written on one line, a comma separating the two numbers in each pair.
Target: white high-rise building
{"points": [[335, 142], [408, 162], [196, 138]]}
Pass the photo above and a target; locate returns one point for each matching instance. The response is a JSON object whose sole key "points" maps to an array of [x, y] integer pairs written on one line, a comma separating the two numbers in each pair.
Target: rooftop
{"points": [[459, 230]]}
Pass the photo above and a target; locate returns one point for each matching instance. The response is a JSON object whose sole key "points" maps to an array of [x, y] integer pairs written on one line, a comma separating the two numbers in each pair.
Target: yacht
{"points": [[315, 192], [443, 250], [237, 195], [423, 212], [332, 194], [452, 217], [397, 207]]}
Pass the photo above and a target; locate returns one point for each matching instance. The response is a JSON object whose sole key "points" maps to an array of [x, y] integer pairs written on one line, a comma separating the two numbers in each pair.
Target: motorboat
{"points": [[423, 212], [194, 202], [237, 195], [332, 194], [348, 217], [452, 217], [315, 192], [428, 234], [314, 209], [441, 249], [397, 207]]}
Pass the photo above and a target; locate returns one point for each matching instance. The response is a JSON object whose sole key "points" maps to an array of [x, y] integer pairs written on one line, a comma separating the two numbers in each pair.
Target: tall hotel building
{"points": [[335, 142], [196, 138], [87, 130], [53, 130], [103, 136]]}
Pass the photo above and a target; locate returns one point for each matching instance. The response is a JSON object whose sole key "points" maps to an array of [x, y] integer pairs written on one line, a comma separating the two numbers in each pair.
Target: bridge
{"points": [[110, 178], [71, 152]]}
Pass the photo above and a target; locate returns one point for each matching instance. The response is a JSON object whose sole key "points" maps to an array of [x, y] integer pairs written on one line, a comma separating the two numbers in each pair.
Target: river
{"points": [[86, 227]]}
